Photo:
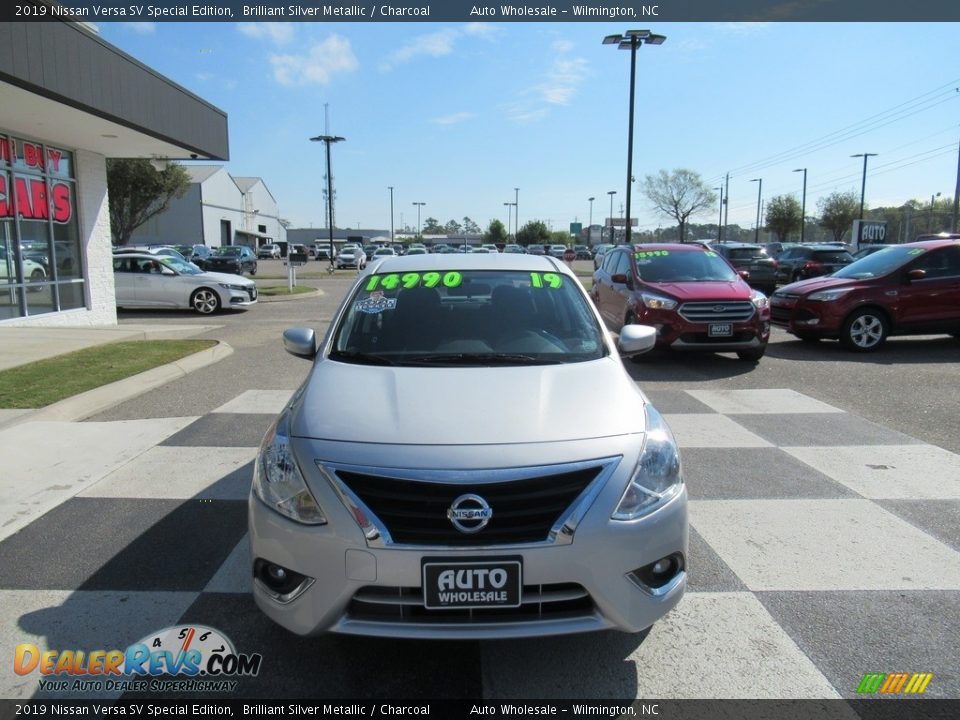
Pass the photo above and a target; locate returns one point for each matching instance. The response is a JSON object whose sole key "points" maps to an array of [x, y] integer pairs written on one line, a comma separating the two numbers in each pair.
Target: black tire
{"points": [[253, 271], [37, 276], [796, 277], [768, 291], [752, 355], [809, 338], [865, 330], [205, 301]]}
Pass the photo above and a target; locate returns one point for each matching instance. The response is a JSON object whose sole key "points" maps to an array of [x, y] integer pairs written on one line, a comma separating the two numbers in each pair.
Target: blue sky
{"points": [[458, 115]]}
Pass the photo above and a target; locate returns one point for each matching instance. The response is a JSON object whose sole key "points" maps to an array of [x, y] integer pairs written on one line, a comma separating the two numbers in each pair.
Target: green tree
{"points": [[838, 211], [452, 228], [138, 191], [431, 227], [534, 232], [783, 215], [496, 233], [678, 194], [470, 227]]}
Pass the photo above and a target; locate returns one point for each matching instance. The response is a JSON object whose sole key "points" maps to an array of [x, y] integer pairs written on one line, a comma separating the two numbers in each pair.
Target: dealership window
{"points": [[40, 258]]}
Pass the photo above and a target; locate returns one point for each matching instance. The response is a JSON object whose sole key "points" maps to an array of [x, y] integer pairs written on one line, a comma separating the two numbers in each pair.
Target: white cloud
{"points": [[561, 82], [316, 67], [141, 28], [453, 119], [562, 45], [745, 28], [483, 30], [205, 76], [277, 32], [435, 44]]}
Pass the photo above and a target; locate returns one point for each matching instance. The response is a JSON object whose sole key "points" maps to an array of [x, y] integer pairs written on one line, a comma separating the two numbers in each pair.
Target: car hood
{"points": [[693, 291], [467, 406], [803, 287], [225, 278]]}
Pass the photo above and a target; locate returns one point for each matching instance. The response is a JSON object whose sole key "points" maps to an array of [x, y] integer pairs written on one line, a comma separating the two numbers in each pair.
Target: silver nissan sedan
{"points": [[468, 458]]}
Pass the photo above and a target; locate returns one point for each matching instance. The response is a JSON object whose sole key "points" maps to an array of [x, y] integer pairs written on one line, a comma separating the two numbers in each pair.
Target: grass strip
{"points": [[43, 382], [274, 290]]}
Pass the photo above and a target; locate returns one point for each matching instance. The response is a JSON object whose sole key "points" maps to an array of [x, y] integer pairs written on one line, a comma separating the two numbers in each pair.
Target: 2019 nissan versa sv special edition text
{"points": [[468, 458]]}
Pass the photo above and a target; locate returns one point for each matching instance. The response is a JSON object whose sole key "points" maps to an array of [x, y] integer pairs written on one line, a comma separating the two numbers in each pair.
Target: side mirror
{"points": [[300, 341], [745, 274], [164, 270], [917, 274], [636, 339], [620, 278]]}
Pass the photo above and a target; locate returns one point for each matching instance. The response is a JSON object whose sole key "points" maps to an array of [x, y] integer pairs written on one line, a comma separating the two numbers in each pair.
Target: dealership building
{"points": [[68, 101]]}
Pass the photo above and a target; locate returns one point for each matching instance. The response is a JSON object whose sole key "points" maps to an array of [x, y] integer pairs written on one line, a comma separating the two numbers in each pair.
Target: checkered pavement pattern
{"points": [[822, 547]]}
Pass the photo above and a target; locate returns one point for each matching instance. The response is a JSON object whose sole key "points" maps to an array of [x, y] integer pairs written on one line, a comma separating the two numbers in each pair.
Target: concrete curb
{"points": [[286, 298], [102, 398]]}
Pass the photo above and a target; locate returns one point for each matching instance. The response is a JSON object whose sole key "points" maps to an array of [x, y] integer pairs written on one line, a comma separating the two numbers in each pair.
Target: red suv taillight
{"points": [[812, 265]]}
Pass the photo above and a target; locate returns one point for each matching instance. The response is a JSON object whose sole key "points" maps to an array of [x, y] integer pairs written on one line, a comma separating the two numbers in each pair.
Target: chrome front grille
{"points": [[396, 506], [712, 312], [405, 605]]}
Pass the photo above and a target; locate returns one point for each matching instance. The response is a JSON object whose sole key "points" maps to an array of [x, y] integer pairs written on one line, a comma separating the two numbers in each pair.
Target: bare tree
{"points": [[678, 194]]}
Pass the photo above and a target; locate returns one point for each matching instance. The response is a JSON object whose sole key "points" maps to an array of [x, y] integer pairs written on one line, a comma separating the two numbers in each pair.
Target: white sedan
{"points": [[153, 281]]}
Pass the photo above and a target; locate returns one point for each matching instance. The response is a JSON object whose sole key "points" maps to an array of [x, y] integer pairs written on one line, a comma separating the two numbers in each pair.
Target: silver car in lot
{"points": [[145, 280], [351, 256], [468, 458]]}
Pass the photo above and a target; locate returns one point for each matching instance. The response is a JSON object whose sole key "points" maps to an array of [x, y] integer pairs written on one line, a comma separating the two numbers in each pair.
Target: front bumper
{"points": [[802, 317], [676, 333], [358, 587]]}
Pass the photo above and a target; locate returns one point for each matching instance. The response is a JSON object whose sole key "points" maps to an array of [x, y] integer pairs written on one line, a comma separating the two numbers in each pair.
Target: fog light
{"points": [[659, 577], [284, 584]]}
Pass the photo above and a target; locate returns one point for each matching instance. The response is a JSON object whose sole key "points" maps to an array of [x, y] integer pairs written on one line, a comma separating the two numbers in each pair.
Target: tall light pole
{"points": [[507, 206], [590, 224], [756, 232], [726, 205], [516, 212], [863, 184], [328, 140], [391, 214], [803, 205], [930, 221], [611, 193], [720, 218], [631, 40], [419, 205]]}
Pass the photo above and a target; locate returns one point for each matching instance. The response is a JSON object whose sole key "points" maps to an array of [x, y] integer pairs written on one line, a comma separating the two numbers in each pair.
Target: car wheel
{"points": [[37, 276], [753, 354], [808, 338], [205, 301], [253, 270], [864, 331]]}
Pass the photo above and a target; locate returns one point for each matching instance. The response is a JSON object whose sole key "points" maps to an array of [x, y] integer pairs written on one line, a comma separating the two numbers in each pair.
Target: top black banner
{"points": [[463, 11]]}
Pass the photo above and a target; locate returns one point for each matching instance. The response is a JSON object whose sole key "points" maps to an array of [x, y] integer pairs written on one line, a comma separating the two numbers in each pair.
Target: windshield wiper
{"points": [[479, 359], [361, 358]]}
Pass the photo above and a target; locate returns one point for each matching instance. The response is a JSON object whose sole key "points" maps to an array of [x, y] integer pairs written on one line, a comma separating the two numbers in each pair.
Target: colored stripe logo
{"points": [[894, 683]]}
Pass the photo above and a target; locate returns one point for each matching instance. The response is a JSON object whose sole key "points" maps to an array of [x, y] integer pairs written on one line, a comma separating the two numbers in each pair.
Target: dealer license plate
{"points": [[720, 330], [469, 583]]}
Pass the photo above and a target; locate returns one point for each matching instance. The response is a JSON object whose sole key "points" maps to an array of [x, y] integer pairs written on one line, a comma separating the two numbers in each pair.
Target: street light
{"points": [[803, 207], [611, 193], [930, 221], [390, 188], [516, 212], [507, 206], [590, 224], [631, 40], [328, 139], [756, 232], [419, 205], [720, 219], [863, 185]]}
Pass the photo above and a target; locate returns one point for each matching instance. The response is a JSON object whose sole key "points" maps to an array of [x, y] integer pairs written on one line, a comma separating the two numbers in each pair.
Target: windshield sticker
{"points": [[915, 251], [376, 303], [710, 253], [550, 280], [392, 281], [644, 254]]}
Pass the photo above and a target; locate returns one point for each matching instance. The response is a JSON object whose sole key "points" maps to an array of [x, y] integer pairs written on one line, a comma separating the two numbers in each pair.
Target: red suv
{"points": [[901, 290], [694, 298]]}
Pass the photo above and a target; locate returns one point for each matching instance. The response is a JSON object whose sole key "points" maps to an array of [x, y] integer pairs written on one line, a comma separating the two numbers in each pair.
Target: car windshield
{"points": [[227, 251], [488, 317], [181, 266], [665, 266], [746, 253], [831, 256], [879, 263]]}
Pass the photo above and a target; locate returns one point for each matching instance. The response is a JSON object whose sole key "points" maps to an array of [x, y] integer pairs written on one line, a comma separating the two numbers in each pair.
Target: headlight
{"points": [[657, 477], [228, 286], [277, 479], [828, 295], [657, 302], [759, 299]]}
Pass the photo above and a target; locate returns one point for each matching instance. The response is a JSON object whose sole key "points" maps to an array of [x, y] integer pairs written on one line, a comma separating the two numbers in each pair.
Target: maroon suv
{"points": [[694, 298], [901, 290]]}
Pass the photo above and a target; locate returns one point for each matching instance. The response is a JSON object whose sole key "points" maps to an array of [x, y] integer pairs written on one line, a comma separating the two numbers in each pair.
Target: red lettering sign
{"points": [[53, 158], [6, 153], [32, 203], [33, 155]]}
